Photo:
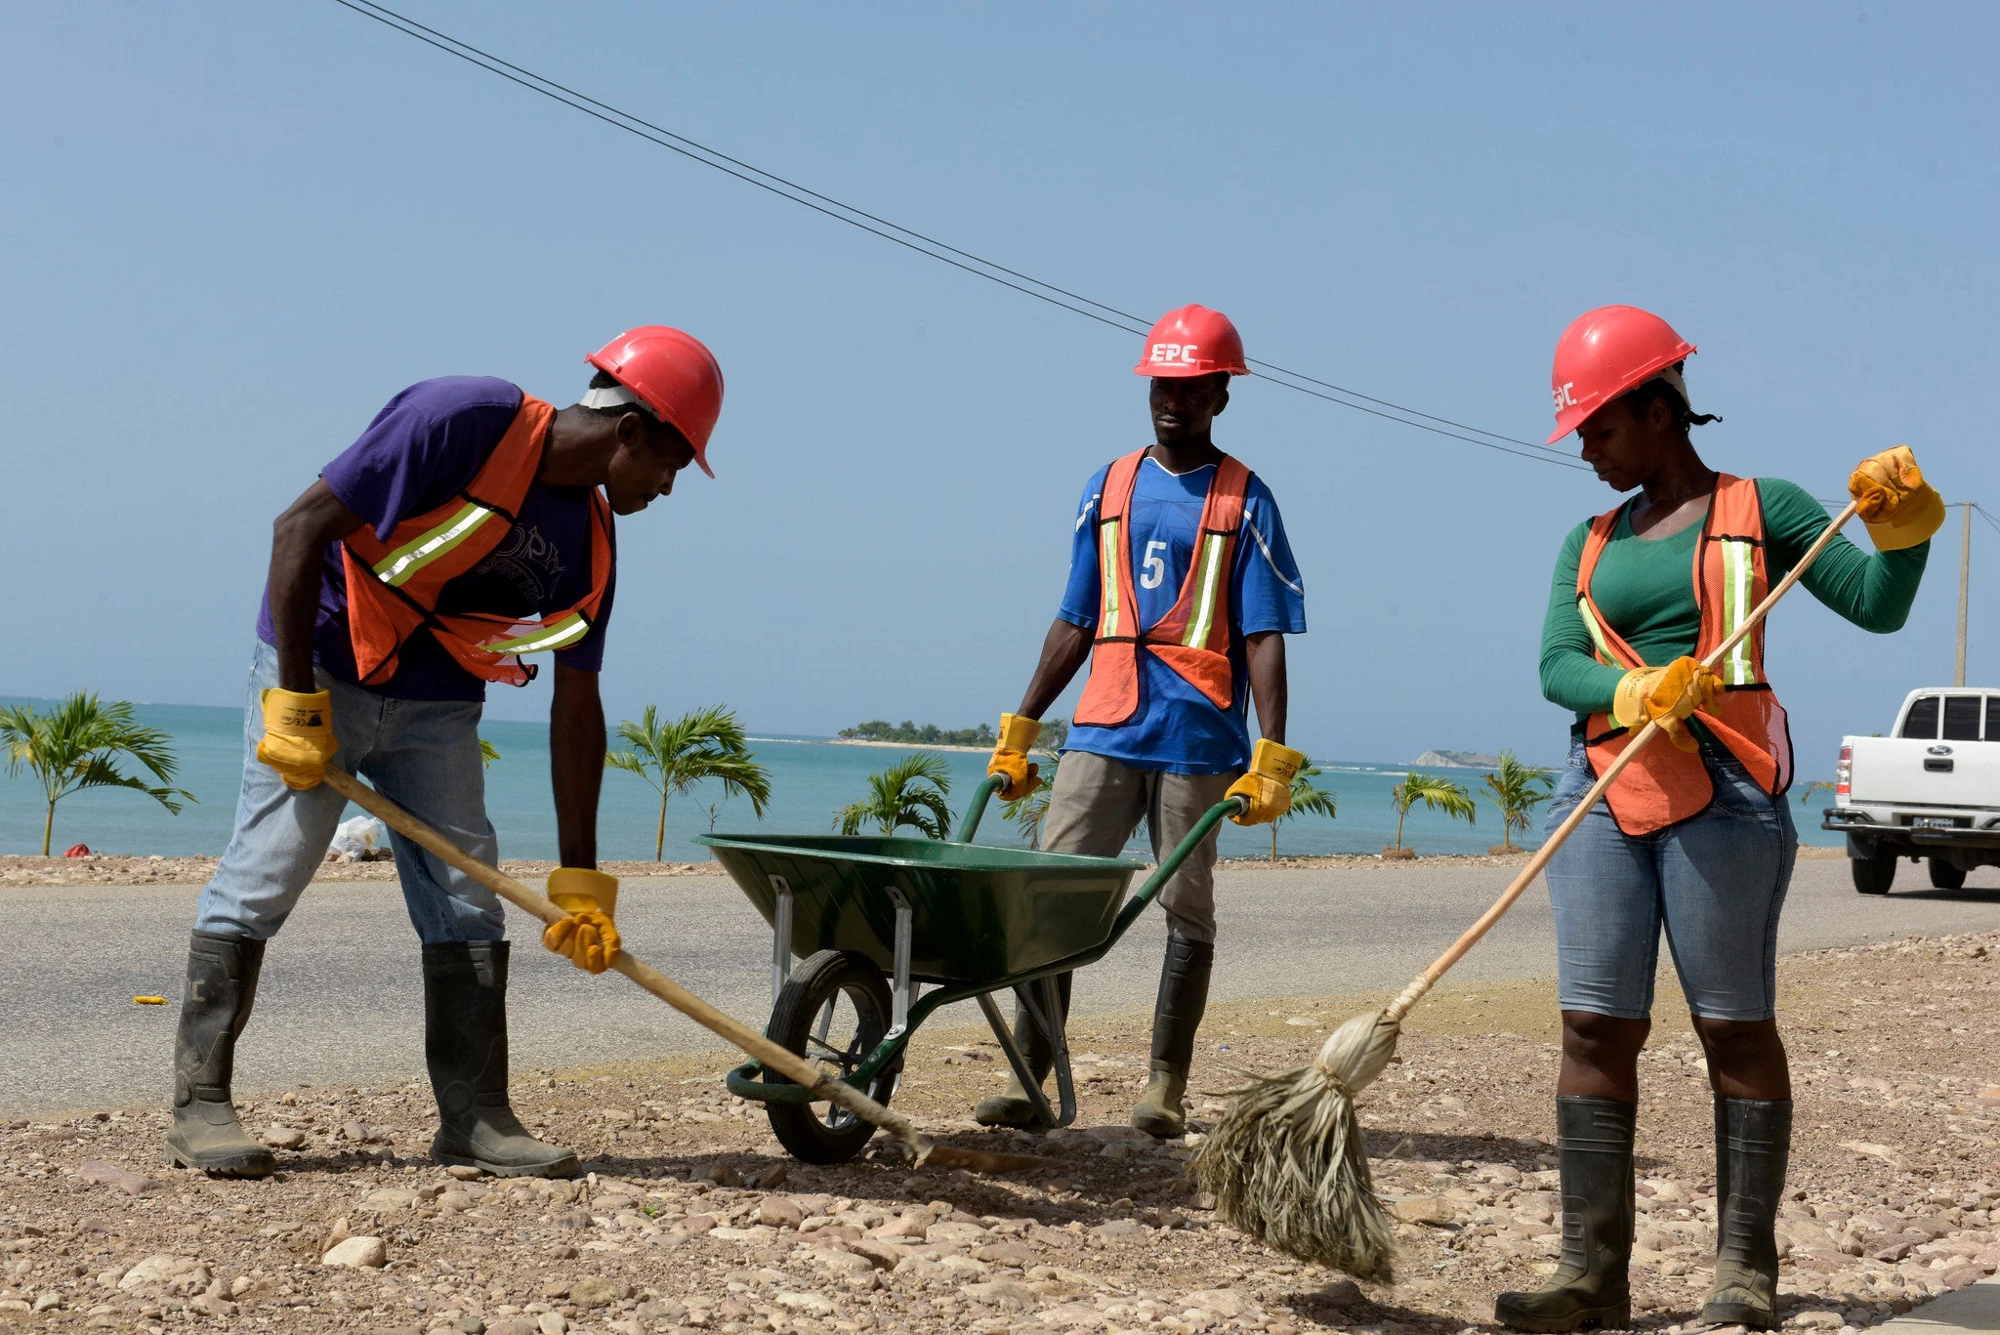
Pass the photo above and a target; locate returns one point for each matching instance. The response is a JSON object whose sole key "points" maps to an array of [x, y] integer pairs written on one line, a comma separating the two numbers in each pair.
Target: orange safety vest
{"points": [[1665, 784], [1193, 637], [393, 587]]}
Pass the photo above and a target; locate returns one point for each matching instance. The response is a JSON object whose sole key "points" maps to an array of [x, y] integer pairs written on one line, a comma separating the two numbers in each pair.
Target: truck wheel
{"points": [[1946, 875], [833, 1009], [1873, 875]]}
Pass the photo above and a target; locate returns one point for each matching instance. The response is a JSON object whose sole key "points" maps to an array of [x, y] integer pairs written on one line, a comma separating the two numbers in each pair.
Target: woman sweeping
{"points": [[1693, 836]]}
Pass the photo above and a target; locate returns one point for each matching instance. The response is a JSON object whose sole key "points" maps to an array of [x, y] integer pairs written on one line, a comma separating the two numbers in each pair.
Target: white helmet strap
{"points": [[1674, 378], [615, 396]]}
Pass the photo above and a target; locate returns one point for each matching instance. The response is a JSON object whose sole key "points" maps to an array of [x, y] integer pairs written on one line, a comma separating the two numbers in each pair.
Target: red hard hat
{"points": [[1193, 340], [1605, 352], [673, 374]]}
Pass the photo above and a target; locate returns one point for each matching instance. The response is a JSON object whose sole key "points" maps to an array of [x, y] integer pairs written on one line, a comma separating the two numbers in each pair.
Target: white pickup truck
{"points": [[1930, 790]]}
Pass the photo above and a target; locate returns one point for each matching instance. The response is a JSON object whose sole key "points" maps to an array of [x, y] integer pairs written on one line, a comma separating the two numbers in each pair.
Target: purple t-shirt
{"points": [[422, 448]]}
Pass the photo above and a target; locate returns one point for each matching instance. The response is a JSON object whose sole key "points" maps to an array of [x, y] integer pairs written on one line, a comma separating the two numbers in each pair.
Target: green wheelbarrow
{"points": [[873, 921]]}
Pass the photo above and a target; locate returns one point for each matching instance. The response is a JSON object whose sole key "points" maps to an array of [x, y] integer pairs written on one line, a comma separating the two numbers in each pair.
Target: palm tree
{"points": [[1517, 790], [1029, 812], [77, 744], [488, 753], [1308, 798], [1435, 793], [910, 792], [1805, 797], [674, 757]]}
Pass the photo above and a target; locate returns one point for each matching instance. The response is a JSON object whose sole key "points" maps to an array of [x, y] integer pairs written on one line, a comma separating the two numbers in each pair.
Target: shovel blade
{"points": [[981, 1161]]}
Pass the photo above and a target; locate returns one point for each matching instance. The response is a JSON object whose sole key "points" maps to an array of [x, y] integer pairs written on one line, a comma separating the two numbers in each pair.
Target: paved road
{"points": [[342, 999]]}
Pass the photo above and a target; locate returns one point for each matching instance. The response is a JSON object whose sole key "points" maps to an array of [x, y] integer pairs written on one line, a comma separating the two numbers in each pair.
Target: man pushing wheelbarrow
{"points": [[1181, 590]]}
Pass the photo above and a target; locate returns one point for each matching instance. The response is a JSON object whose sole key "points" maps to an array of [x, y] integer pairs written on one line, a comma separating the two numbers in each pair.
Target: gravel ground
{"points": [[692, 1218]]}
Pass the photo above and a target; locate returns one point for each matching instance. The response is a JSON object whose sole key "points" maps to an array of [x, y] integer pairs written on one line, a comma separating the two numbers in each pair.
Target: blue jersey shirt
{"points": [[1177, 728]]}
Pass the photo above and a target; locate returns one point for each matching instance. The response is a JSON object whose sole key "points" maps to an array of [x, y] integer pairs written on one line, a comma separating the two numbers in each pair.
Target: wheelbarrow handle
{"points": [[969, 825]]}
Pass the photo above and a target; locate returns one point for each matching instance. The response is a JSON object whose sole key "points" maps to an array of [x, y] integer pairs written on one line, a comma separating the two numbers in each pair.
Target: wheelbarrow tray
{"points": [[979, 913]]}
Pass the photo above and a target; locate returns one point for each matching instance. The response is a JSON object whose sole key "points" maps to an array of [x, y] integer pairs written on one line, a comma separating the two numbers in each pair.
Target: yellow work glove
{"points": [[1899, 507], [1267, 787], [588, 936], [1010, 756], [1665, 695], [298, 736]]}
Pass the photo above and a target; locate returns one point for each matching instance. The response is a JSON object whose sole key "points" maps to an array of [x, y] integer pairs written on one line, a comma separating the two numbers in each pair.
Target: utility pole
{"points": [[1964, 582]]}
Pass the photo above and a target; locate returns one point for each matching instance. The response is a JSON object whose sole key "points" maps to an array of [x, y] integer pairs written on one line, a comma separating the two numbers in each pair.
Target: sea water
{"points": [[811, 780]]}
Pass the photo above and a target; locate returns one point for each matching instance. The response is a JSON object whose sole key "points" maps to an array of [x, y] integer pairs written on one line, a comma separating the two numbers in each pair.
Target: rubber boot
{"points": [[221, 986], [1013, 1107], [1753, 1140], [1176, 1015], [465, 1047], [1591, 1288]]}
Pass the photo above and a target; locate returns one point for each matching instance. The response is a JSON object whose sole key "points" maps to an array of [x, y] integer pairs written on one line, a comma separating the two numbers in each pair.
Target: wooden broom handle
{"points": [[1438, 967], [780, 1059]]}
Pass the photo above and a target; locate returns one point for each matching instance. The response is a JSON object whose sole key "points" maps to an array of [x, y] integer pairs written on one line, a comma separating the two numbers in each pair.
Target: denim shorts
{"points": [[1716, 882]]}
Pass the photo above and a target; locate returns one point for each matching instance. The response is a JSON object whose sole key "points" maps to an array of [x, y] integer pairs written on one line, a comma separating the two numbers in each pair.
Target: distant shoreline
{"points": [[911, 746]]}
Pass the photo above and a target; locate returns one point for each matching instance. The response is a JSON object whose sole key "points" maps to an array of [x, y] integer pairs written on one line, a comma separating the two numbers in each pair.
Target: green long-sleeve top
{"points": [[1645, 588]]}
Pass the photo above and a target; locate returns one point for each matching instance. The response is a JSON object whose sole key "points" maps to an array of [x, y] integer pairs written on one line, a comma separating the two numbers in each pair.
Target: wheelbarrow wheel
{"points": [[834, 1009]]}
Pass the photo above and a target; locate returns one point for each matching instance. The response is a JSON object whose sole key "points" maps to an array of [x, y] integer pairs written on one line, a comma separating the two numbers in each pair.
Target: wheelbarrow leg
{"points": [[1017, 1059], [1042, 1004], [1048, 1013], [781, 937]]}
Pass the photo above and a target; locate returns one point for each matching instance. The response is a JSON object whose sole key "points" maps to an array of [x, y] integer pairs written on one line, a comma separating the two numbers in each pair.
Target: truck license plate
{"points": [[1935, 823]]}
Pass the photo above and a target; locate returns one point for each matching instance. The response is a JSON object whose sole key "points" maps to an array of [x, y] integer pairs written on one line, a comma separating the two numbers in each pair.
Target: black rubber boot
{"points": [[465, 1047], [1591, 1289], [1176, 1015], [221, 985], [1013, 1107], [1753, 1141]]}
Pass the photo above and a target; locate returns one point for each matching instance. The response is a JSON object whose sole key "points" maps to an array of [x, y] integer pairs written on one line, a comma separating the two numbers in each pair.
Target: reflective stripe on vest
{"points": [[1193, 638], [1739, 558], [426, 547], [1108, 556], [557, 635], [1589, 615], [1666, 785], [394, 586], [1208, 580]]}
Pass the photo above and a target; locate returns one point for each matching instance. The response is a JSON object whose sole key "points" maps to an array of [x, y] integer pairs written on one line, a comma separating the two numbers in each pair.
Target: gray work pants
{"points": [[1097, 804]]}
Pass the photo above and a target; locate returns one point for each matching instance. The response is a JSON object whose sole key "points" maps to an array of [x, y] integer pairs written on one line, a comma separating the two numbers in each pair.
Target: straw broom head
{"points": [[1287, 1165]]}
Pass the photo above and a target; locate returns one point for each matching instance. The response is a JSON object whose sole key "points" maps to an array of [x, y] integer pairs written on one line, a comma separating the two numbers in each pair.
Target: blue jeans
{"points": [[422, 754], [1716, 882]]}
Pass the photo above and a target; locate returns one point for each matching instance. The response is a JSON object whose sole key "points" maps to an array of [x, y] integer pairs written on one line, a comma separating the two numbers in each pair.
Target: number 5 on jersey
{"points": [[1153, 570]]}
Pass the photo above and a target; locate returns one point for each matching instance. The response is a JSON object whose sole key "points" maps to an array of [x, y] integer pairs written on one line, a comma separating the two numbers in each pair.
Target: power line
{"points": [[923, 244], [1985, 514]]}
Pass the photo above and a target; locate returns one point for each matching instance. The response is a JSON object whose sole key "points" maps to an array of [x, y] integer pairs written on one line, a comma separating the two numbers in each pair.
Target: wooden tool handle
{"points": [[780, 1059], [1438, 967]]}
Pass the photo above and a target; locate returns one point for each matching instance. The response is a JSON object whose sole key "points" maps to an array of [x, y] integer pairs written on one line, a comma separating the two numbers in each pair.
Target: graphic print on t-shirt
{"points": [[528, 562]]}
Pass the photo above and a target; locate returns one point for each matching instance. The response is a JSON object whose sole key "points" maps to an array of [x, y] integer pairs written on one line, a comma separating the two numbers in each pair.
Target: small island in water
{"points": [[1455, 760], [908, 733]]}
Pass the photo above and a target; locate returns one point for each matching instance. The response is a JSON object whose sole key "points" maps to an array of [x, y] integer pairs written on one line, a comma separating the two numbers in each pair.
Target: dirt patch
{"points": [[122, 869], [692, 1218]]}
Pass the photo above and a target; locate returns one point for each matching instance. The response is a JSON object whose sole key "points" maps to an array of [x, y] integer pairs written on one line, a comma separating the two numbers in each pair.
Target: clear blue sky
{"points": [[232, 230]]}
